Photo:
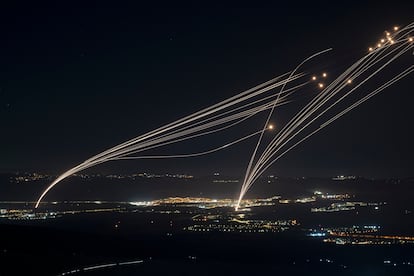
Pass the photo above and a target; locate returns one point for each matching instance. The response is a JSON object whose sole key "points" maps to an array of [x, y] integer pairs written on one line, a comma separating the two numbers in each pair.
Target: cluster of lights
{"points": [[320, 84], [202, 122], [389, 39]]}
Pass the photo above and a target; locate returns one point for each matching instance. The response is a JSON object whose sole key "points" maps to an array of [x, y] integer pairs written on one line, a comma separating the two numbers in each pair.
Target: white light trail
{"points": [[216, 118], [336, 92], [132, 262], [101, 266], [322, 110]]}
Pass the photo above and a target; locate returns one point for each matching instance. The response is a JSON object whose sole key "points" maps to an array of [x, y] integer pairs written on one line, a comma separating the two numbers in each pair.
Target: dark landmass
{"points": [[75, 241]]}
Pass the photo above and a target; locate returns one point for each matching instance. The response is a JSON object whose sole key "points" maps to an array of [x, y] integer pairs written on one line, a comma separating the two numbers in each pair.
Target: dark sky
{"points": [[77, 79]]}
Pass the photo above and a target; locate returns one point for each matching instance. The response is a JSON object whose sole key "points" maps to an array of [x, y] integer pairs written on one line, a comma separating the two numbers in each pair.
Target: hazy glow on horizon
{"points": [[266, 97]]}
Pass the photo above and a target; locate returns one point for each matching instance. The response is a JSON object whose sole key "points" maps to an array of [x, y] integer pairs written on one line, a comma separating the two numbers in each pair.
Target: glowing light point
{"points": [[370, 49], [410, 39], [314, 78], [392, 41], [320, 85], [379, 45], [382, 40], [396, 28], [324, 75], [349, 81], [387, 33], [270, 127]]}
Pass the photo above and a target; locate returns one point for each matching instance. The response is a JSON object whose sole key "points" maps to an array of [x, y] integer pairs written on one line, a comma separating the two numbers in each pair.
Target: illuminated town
{"points": [[326, 215], [203, 214], [202, 138]]}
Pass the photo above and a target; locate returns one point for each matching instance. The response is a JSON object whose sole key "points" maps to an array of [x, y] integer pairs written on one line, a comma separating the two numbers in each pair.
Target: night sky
{"points": [[77, 79]]}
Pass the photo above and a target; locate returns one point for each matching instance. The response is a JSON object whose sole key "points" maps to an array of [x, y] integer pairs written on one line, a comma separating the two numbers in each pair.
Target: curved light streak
{"points": [[237, 109]]}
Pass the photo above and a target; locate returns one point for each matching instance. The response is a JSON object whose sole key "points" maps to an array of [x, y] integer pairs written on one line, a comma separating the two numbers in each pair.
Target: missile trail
{"points": [[335, 99], [337, 116], [213, 119], [371, 64], [273, 108], [191, 154]]}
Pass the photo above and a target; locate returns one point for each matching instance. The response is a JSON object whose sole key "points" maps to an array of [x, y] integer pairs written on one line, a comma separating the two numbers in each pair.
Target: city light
{"points": [[250, 102]]}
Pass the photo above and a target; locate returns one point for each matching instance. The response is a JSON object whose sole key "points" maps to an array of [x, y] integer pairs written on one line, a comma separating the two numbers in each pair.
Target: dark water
{"points": [[54, 246], [50, 247]]}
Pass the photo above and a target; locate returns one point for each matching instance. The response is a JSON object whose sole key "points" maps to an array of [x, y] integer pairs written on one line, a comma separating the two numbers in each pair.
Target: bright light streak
{"points": [[99, 266], [213, 119], [132, 262], [365, 68], [235, 110]]}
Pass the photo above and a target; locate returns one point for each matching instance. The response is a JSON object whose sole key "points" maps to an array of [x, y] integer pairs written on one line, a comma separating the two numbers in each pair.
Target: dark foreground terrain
{"points": [[57, 246]]}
